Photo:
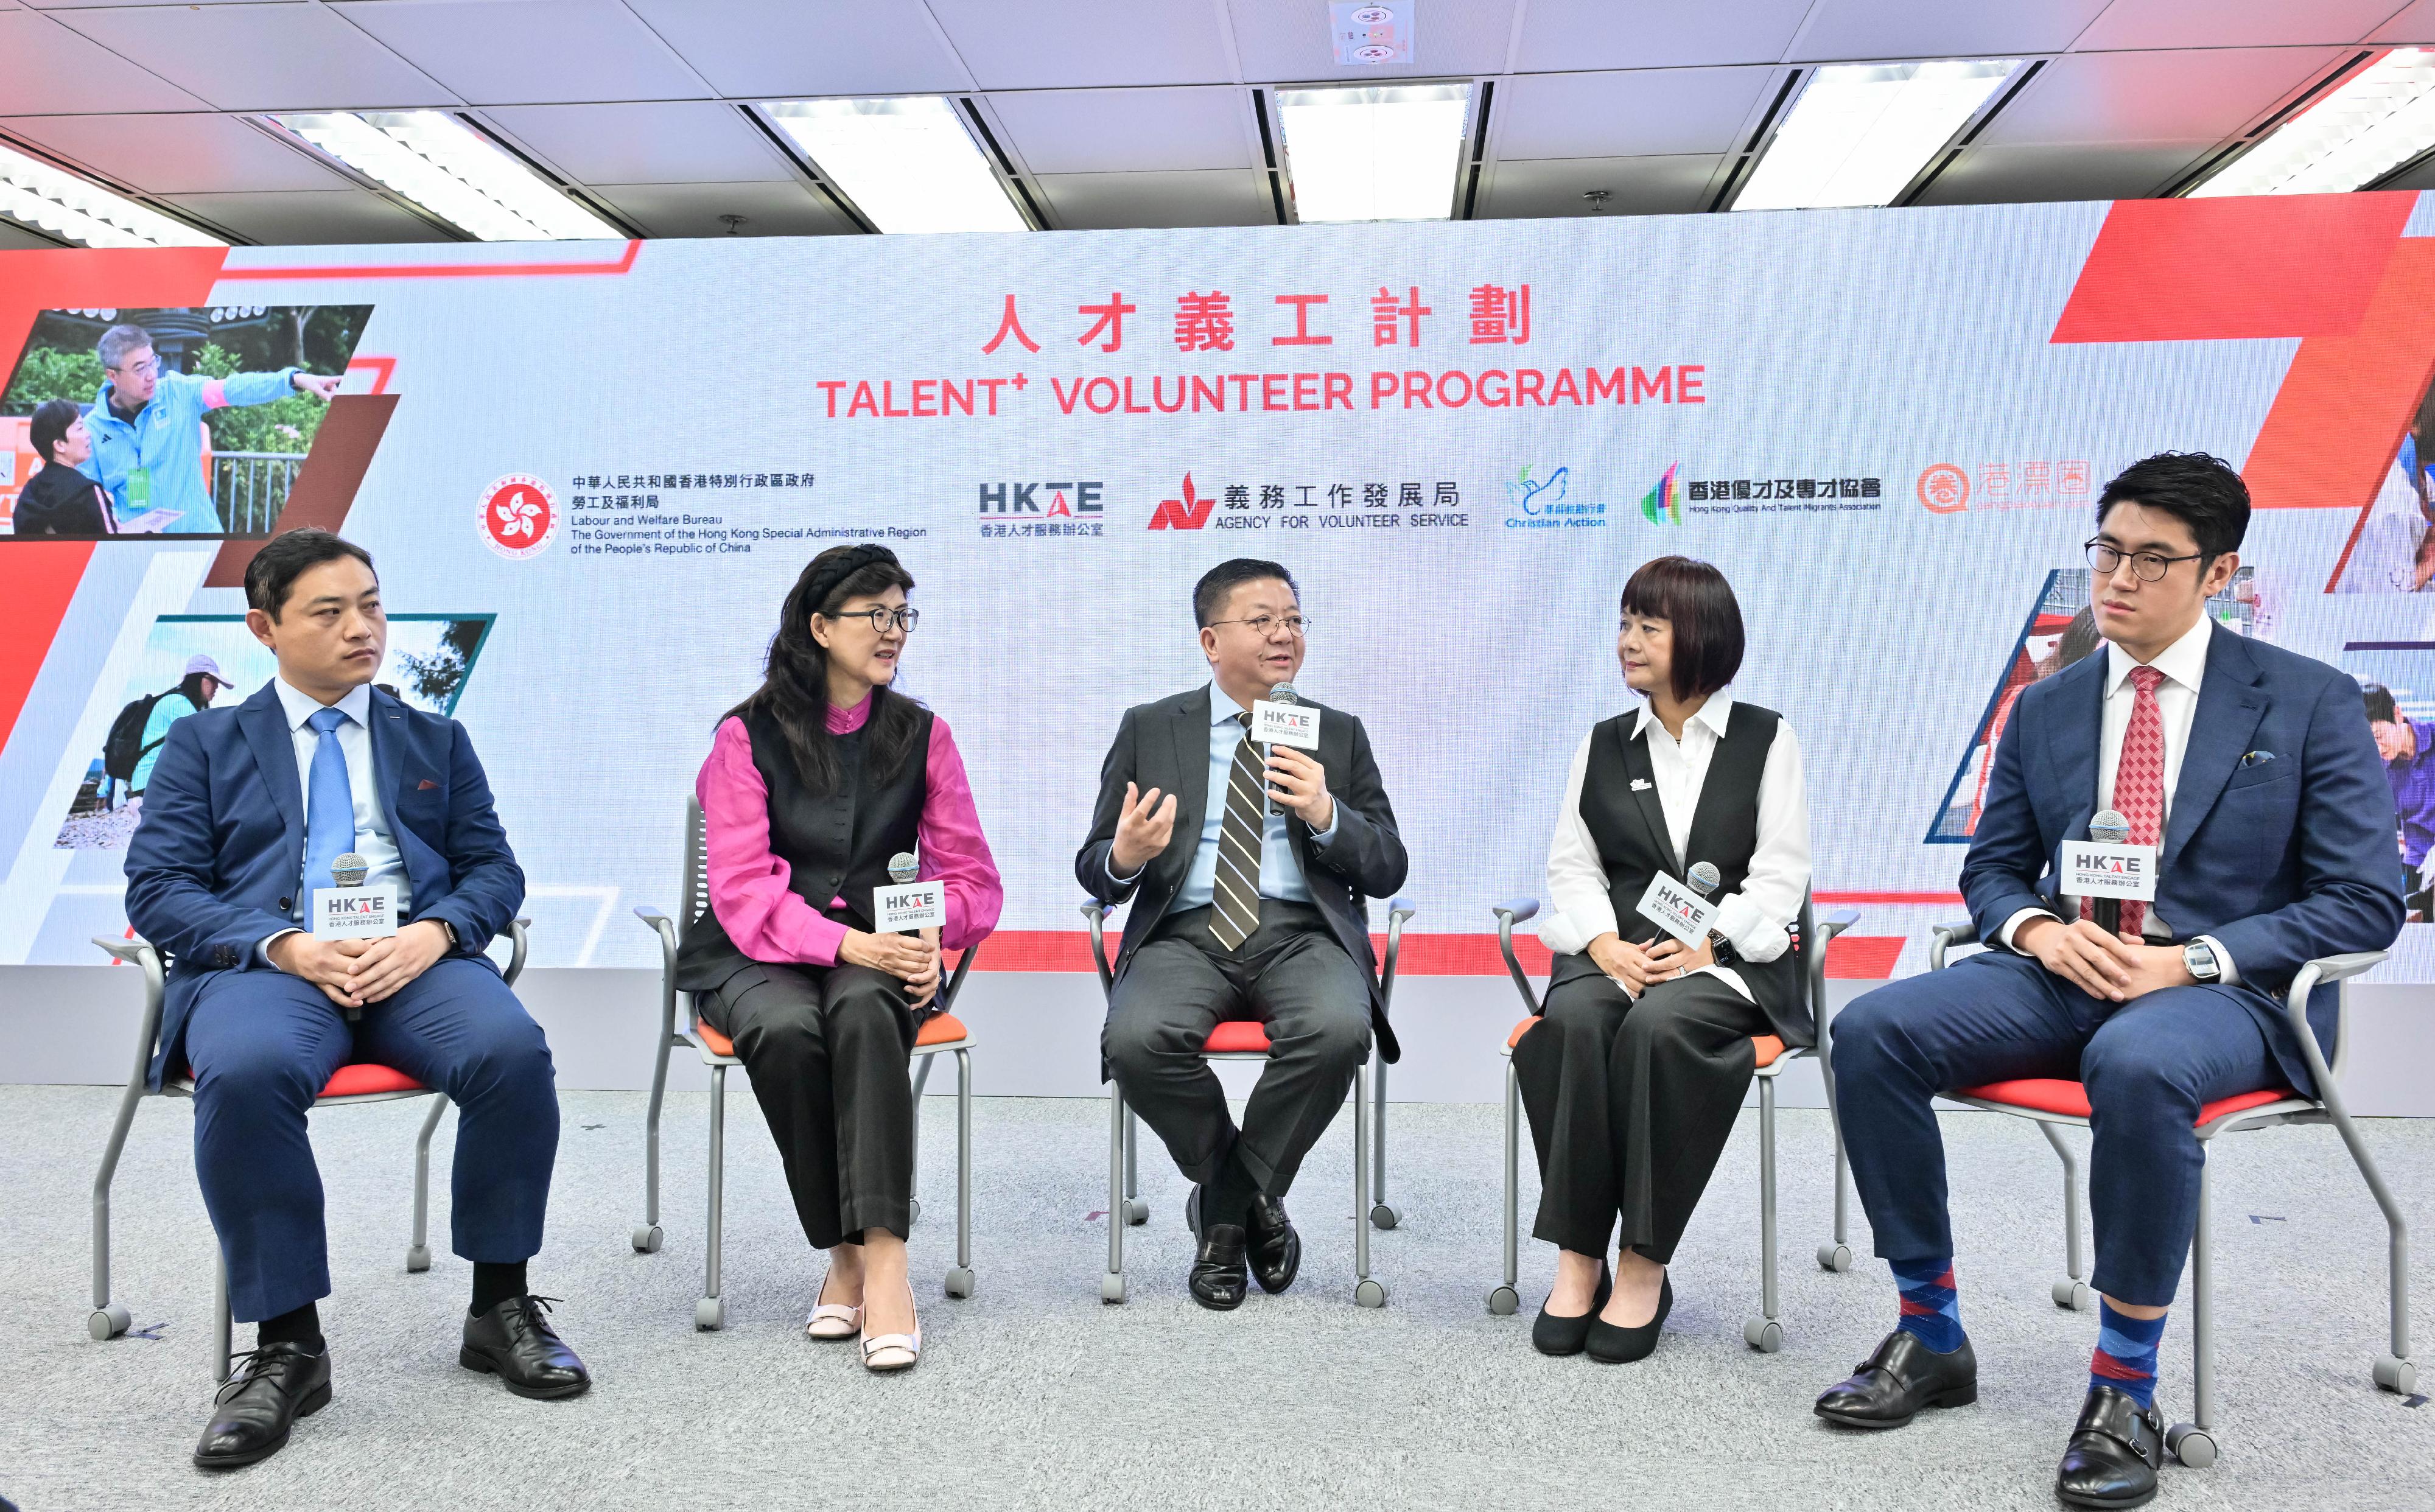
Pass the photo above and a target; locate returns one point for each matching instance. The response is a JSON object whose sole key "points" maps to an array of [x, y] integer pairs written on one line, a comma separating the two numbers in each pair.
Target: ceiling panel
{"points": [[178, 154], [1635, 187], [1124, 130], [777, 49], [497, 52], [1644, 113], [770, 209], [1564, 34], [1078, 43], [307, 219], [668, 141], [46, 69], [1988, 175], [2415, 22], [1289, 40], [1097, 201], [2169, 97], [1857, 29], [15, 238], [261, 57], [2129, 24]]}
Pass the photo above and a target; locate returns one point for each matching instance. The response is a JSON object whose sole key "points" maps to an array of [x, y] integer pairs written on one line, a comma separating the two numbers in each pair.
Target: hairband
{"points": [[855, 560]]}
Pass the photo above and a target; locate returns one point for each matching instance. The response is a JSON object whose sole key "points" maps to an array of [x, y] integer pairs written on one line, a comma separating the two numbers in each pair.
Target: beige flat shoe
{"points": [[885, 1353], [832, 1320]]}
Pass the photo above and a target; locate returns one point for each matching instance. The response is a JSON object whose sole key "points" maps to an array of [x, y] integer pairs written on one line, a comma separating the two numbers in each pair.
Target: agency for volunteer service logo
{"points": [[518, 516]]}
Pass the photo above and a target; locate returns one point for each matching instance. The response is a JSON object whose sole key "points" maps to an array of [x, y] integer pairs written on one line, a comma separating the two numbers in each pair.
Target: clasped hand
{"points": [[910, 958], [353, 973], [1638, 966], [2116, 967]]}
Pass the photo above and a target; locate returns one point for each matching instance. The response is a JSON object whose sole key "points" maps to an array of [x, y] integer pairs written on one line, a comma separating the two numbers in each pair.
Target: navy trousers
{"points": [[2149, 1065], [262, 1043]]}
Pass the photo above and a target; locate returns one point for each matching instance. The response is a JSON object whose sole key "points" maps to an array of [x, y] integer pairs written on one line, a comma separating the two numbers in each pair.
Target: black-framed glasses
{"points": [[1264, 625], [904, 619], [2148, 566]]}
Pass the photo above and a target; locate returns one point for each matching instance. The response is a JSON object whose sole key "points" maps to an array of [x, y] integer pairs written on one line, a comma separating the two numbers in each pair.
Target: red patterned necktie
{"points": [[2139, 783]]}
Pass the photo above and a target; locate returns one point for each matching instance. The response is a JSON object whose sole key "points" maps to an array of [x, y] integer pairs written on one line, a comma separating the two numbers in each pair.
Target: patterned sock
{"points": [[2126, 1355], [1930, 1307]]}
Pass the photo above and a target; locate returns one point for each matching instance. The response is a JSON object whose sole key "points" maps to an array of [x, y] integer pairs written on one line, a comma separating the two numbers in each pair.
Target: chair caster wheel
{"points": [[916, 1215], [1836, 1258], [1136, 1212], [1504, 1302], [418, 1259], [1112, 1288], [1383, 1216], [1764, 1334], [110, 1322], [2192, 1445], [2391, 1373], [709, 1313], [959, 1281], [2071, 1294], [647, 1238], [1370, 1293]]}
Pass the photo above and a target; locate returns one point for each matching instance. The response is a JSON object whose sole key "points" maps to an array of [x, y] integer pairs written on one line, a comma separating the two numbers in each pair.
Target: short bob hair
{"points": [[1694, 598], [52, 418]]}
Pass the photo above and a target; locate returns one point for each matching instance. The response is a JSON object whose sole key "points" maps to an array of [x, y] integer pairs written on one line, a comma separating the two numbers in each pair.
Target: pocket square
{"points": [[2256, 757], [425, 785], [1640, 784]]}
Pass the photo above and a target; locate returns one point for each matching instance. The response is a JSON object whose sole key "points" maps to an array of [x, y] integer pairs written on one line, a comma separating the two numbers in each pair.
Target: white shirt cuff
{"points": [[1754, 938], [1335, 814], [2011, 926], [262, 948]]}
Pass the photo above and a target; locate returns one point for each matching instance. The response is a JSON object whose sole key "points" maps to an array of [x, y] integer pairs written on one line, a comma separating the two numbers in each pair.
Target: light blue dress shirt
{"points": [[1280, 874]]}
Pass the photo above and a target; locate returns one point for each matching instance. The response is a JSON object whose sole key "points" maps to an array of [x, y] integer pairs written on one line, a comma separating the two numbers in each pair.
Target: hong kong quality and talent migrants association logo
{"points": [[519, 515]]}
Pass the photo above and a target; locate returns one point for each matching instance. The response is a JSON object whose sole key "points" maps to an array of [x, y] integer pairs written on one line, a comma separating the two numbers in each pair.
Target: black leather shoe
{"points": [[1550, 1334], [2114, 1453], [1219, 1277], [1275, 1249], [516, 1341], [271, 1387], [1904, 1376], [1612, 1343]]}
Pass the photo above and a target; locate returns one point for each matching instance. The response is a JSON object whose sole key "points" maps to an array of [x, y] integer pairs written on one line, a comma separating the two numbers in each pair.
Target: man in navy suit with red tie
{"points": [[2253, 771], [247, 809]]}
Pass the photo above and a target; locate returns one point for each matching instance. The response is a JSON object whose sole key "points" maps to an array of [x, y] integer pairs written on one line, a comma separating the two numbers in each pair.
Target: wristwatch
{"points": [[1721, 949], [2198, 958], [451, 931]]}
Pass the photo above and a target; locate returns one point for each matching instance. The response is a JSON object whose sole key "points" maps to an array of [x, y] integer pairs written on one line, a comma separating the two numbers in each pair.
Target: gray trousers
{"points": [[1291, 976]]}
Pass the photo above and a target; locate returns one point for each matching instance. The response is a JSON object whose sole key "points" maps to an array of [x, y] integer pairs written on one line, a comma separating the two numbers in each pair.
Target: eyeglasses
{"points": [[147, 368], [904, 619], [2148, 566], [1264, 625]]}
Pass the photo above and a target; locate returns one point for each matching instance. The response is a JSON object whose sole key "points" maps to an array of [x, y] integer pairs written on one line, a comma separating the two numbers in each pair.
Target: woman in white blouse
{"points": [[1634, 1078]]}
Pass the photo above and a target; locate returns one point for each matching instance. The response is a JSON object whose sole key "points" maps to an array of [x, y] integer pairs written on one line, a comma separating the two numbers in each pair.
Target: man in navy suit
{"points": [[2252, 770], [247, 809]]}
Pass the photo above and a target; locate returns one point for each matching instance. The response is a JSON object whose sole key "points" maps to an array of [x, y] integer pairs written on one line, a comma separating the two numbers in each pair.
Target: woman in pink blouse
{"points": [[813, 784]]}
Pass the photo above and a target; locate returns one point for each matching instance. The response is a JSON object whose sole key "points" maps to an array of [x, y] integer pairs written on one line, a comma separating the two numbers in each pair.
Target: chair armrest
{"points": [[1514, 911], [665, 928], [1835, 922], [1944, 937], [1397, 911], [143, 954], [2312, 975], [131, 951], [956, 978], [1097, 912], [519, 945]]}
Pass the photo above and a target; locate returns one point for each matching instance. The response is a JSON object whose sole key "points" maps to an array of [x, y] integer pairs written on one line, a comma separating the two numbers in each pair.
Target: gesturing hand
{"points": [[321, 385], [1297, 781], [1142, 828]]}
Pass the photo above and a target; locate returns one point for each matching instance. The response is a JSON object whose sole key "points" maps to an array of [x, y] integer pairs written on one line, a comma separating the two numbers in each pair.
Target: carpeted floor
{"points": [[1035, 1394]]}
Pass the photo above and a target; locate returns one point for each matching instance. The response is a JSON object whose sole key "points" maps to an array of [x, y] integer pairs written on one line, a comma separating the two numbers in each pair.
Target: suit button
{"points": [[286, 904]]}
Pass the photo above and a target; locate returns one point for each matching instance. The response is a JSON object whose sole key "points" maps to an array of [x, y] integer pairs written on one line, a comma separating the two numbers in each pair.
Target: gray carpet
{"points": [[1034, 1393]]}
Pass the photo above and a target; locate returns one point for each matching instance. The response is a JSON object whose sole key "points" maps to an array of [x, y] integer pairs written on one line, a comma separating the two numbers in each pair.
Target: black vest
{"points": [[834, 847], [1628, 825]]}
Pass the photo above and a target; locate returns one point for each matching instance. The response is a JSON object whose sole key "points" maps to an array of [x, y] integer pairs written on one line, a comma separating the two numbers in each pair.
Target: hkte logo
{"points": [[1945, 488], [1026, 499], [1662, 505], [1190, 512], [519, 515]]}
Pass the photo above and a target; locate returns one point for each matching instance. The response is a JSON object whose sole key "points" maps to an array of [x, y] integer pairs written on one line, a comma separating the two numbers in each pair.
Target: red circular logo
{"points": [[1945, 488], [519, 515]]}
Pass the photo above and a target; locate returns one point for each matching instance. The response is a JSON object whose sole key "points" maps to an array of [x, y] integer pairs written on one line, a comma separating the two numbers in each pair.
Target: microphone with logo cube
{"points": [[349, 910], [2106, 870], [1281, 719]]}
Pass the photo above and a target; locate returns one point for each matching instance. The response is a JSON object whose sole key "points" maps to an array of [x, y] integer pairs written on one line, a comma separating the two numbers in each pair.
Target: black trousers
{"points": [[1631, 1103], [828, 1050], [1291, 975]]}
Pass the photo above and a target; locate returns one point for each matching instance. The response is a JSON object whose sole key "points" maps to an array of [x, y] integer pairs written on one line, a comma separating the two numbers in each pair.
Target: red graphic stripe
{"points": [[621, 265], [2234, 269], [1862, 957], [383, 369], [42, 578]]}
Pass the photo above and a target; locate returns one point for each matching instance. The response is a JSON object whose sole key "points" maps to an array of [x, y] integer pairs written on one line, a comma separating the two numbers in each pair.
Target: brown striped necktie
{"points": [[1236, 896]]}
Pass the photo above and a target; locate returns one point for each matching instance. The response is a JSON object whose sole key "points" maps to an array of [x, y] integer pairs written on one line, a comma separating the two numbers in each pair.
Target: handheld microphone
{"points": [[1704, 878], [2109, 828], [901, 869], [348, 870], [1282, 692]]}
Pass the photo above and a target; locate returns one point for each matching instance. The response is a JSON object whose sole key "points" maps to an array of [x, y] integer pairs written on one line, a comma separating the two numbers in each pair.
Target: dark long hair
{"points": [[191, 686], [794, 688]]}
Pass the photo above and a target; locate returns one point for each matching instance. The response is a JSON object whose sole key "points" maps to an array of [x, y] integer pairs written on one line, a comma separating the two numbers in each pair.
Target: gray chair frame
{"points": [[1762, 1332], [1125, 1207], [709, 1309], [110, 1318], [2195, 1443]]}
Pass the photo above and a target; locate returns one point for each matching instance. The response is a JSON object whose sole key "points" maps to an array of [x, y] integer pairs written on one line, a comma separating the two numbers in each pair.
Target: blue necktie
{"points": [[329, 804]]}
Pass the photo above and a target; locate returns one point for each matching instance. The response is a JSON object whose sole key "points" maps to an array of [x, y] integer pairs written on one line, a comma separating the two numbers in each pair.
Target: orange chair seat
{"points": [[1237, 1037], [944, 1029], [363, 1078], [2042, 1094], [1769, 1048]]}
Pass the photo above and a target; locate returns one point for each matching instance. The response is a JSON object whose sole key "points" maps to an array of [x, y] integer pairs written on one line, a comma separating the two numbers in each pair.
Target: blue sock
{"points": [[1930, 1309], [2126, 1355]]}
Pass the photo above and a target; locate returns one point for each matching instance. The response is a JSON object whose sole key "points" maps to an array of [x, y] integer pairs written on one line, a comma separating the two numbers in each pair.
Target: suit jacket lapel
{"points": [[1644, 797], [265, 723], [2229, 708], [386, 726], [1191, 726], [2079, 729]]}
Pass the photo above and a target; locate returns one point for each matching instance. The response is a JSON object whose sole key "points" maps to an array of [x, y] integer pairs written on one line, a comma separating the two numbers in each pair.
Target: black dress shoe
{"points": [[1904, 1376], [271, 1387], [516, 1341], [1550, 1334], [1218, 1277], [2114, 1452], [1275, 1249], [1615, 1344]]}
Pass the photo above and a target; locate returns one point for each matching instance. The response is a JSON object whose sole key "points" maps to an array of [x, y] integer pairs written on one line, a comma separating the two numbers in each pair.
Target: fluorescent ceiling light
{"points": [[907, 163], [1389, 153], [452, 171], [1860, 132], [2381, 117], [80, 211]]}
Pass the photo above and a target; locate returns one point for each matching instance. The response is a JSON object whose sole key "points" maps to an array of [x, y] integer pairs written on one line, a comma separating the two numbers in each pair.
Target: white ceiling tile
{"points": [[1998, 175], [46, 69], [1861, 30], [2142, 24], [1287, 40], [178, 154], [2414, 22], [1124, 130], [1651, 112], [1106, 202], [497, 52], [1558, 35], [347, 215], [1078, 43], [781, 49], [769, 208], [664, 142], [261, 57], [1671, 185], [2167, 96]]}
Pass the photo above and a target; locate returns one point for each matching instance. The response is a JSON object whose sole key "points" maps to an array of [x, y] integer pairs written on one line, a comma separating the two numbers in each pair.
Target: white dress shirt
{"points": [[374, 840], [2184, 665], [1753, 918]]}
